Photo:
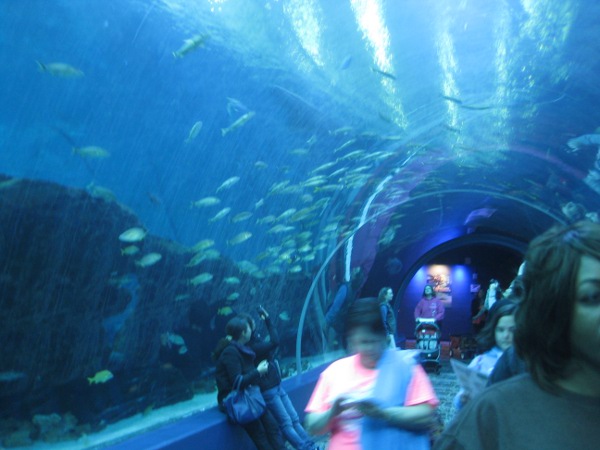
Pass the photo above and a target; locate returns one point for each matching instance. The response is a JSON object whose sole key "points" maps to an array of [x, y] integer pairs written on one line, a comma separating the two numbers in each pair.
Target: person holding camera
{"points": [[277, 399], [234, 358]]}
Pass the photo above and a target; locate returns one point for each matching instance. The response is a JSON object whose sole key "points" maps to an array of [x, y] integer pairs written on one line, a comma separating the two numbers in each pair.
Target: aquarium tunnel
{"points": [[167, 164]]}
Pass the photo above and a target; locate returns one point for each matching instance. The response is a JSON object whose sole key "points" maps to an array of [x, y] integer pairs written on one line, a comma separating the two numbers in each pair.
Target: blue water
{"points": [[474, 101]]}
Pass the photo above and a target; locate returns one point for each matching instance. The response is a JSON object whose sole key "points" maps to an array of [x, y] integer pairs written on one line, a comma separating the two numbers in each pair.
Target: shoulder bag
{"points": [[244, 405]]}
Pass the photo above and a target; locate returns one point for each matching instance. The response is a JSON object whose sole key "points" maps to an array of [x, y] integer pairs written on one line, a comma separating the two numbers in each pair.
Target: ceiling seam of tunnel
{"points": [[363, 220]]}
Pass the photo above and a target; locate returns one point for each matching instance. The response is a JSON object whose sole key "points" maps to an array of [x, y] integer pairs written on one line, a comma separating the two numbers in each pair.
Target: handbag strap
{"points": [[237, 383]]}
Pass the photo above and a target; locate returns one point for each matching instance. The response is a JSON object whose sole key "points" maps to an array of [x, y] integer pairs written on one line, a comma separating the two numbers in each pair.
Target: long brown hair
{"points": [[544, 316]]}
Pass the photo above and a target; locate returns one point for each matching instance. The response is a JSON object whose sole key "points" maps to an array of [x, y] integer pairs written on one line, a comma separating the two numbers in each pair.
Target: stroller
{"points": [[428, 340]]}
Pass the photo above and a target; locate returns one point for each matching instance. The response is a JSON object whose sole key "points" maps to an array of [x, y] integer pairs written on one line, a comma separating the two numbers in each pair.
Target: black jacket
{"points": [[234, 360], [266, 350]]}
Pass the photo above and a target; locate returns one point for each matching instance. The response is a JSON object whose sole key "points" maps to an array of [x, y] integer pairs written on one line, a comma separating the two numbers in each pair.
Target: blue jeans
{"points": [[281, 407]]}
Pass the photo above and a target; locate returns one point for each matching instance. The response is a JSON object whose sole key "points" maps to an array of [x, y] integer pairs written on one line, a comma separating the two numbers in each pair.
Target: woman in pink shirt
{"points": [[429, 307], [378, 398]]}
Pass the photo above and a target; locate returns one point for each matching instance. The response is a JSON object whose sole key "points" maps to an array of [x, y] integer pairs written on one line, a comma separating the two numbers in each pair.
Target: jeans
{"points": [[281, 407], [264, 432]]}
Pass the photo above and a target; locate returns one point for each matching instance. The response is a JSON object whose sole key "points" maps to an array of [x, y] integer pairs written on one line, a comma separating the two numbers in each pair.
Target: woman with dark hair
{"points": [[557, 404], [495, 337], [430, 307], [385, 296], [277, 399], [377, 398], [234, 358]]}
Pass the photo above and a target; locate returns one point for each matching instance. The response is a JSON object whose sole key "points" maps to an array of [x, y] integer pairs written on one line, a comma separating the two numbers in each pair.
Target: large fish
{"points": [[189, 45], [60, 70]]}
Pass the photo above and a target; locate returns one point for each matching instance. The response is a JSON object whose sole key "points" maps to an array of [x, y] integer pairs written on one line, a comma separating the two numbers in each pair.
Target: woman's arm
{"points": [[417, 417], [320, 422]]}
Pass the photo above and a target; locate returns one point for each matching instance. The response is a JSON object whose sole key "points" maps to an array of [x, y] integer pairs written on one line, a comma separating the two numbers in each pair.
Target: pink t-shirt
{"points": [[348, 377]]}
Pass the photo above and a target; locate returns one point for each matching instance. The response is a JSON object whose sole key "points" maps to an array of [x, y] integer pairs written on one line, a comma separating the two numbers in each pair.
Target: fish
{"points": [[452, 99], [385, 74], [239, 238], [206, 201], [212, 253], [169, 339], [284, 316], [231, 280], [324, 167], [233, 296], [99, 192], [228, 183], [261, 165], [241, 216], [346, 144], [299, 151], [189, 45], [134, 234], [267, 219], [259, 203], [346, 62], [196, 259], [203, 244], [11, 375], [101, 377], [220, 214], [234, 106], [182, 297], [58, 69], [225, 311], [295, 269], [130, 250], [247, 266], [202, 278], [287, 213], [279, 229], [9, 183], [91, 151], [238, 123], [194, 132], [148, 260]]}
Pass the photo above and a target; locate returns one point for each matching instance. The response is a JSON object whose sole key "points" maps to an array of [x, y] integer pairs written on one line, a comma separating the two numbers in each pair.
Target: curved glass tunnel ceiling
{"points": [[263, 142]]}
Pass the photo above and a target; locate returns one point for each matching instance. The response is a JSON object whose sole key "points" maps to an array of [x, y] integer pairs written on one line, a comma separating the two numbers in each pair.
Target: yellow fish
{"points": [[101, 377]]}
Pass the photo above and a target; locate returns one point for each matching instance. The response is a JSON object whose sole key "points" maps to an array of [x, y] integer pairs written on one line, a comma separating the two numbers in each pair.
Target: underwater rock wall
{"points": [[92, 327]]}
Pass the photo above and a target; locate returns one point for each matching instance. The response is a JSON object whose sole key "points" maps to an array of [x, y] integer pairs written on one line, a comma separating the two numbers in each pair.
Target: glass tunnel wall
{"points": [[167, 164]]}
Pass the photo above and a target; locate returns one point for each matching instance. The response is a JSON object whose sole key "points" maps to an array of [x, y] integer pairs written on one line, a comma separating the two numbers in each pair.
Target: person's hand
{"points": [[368, 408], [262, 367], [340, 404]]}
